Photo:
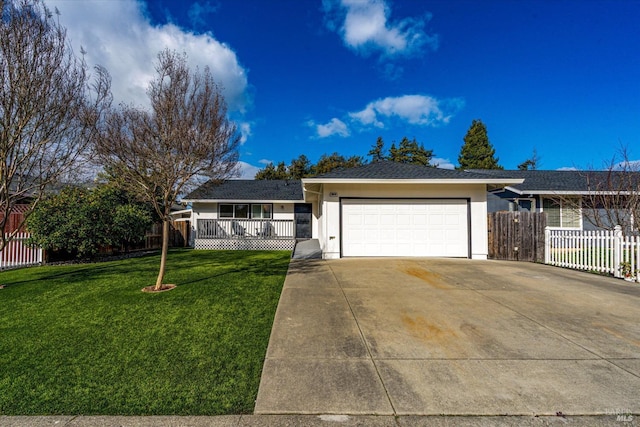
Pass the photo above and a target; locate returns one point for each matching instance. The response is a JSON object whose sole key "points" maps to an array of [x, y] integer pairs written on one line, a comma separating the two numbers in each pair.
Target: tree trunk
{"points": [[163, 256]]}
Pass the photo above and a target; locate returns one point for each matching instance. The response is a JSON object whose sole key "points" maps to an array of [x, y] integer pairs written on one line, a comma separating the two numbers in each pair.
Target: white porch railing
{"points": [[17, 253], [600, 251], [252, 229]]}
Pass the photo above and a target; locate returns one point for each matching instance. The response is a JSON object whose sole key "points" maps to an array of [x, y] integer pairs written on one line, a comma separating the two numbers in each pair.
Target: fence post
{"points": [[547, 245], [617, 251]]}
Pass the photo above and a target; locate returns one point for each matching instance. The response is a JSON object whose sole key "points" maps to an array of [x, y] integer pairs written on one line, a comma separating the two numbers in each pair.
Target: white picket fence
{"points": [[601, 251], [18, 253]]}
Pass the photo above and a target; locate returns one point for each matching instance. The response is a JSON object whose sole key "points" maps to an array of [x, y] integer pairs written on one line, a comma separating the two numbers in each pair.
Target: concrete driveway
{"points": [[451, 337]]}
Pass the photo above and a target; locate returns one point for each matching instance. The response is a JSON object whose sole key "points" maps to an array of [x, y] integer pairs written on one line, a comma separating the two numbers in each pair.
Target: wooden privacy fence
{"points": [[517, 236], [602, 251], [18, 253], [179, 233]]}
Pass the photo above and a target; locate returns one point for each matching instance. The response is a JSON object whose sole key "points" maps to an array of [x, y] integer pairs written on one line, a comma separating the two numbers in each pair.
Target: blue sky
{"points": [[319, 76]]}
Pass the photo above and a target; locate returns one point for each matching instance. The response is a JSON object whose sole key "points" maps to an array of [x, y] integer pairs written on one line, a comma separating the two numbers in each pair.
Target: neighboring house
{"points": [[378, 209], [560, 194]]}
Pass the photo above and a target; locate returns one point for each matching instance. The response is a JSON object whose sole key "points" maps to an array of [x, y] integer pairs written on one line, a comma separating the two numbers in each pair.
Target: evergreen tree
{"points": [[353, 161], [327, 163], [532, 163], [377, 151], [273, 172], [394, 153], [477, 152], [299, 168], [410, 152]]}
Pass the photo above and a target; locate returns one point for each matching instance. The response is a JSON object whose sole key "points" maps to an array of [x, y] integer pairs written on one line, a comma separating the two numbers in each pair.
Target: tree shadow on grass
{"points": [[86, 272], [255, 266], [180, 263], [256, 271]]}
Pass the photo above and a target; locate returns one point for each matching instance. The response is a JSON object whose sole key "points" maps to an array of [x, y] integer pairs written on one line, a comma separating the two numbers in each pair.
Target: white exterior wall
{"points": [[282, 210], [203, 211], [329, 227], [315, 220]]}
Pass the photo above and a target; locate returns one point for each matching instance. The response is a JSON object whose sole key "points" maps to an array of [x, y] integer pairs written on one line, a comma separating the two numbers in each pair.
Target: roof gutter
{"points": [[241, 201], [411, 181], [572, 193]]}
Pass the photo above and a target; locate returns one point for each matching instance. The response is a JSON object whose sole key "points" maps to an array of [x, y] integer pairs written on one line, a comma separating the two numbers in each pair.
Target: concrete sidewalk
{"points": [[314, 421], [428, 337]]}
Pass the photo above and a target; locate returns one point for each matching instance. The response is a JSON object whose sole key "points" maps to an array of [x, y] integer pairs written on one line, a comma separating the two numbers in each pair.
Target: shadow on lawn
{"points": [[89, 271], [262, 271], [74, 275], [180, 263], [256, 264]]}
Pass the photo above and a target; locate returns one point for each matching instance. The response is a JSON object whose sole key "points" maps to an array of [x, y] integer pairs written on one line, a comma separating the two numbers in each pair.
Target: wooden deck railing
{"points": [[245, 229]]}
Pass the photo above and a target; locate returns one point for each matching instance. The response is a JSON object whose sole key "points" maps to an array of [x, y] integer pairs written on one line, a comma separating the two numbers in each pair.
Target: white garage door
{"points": [[405, 227]]}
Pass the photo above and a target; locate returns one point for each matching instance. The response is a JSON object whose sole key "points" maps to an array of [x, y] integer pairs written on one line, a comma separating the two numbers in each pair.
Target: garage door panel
{"points": [[425, 227], [420, 219], [452, 220], [370, 220], [436, 219], [387, 219], [403, 219], [405, 235]]}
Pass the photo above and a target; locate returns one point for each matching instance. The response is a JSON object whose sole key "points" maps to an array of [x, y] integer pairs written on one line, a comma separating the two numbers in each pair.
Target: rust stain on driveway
{"points": [[617, 334], [427, 276], [421, 328]]}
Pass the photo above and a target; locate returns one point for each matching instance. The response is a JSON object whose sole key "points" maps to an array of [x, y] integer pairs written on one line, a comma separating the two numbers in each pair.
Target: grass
{"points": [[84, 339]]}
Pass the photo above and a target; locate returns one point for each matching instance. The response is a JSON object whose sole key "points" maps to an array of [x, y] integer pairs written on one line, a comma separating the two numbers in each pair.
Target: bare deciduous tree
{"points": [[613, 194], [46, 109], [159, 153]]}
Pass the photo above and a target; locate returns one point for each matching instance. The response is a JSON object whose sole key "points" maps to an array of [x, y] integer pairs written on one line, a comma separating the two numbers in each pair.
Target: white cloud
{"points": [[118, 36], [365, 27], [367, 116], [334, 127], [421, 110], [245, 131], [246, 171], [628, 165], [442, 163], [567, 168], [265, 161]]}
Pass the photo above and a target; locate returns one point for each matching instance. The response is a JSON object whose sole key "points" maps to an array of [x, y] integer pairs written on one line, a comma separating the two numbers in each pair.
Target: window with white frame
{"points": [[245, 211], [262, 211], [563, 213]]}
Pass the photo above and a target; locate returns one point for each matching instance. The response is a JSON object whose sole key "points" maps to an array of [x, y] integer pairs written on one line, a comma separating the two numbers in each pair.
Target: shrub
{"points": [[81, 221]]}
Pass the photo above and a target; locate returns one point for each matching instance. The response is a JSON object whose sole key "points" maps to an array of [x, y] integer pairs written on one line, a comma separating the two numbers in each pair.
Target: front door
{"points": [[302, 216]]}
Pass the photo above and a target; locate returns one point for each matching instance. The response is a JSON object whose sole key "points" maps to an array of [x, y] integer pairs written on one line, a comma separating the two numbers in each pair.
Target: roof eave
{"points": [[497, 181], [573, 192], [242, 200]]}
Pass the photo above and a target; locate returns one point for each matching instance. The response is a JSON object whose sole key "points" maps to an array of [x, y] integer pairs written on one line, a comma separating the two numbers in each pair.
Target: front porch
{"points": [[245, 234]]}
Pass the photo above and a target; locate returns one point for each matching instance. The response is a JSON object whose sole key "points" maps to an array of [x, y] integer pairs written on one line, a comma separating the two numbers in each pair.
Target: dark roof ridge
{"points": [[248, 189], [387, 169]]}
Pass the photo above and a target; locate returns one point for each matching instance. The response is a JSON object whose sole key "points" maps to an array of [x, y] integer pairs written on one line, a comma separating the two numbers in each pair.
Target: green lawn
{"points": [[84, 339]]}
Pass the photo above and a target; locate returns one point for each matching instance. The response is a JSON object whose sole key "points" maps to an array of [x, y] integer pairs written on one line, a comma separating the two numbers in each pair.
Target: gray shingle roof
{"points": [[395, 170], [556, 181], [245, 189]]}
